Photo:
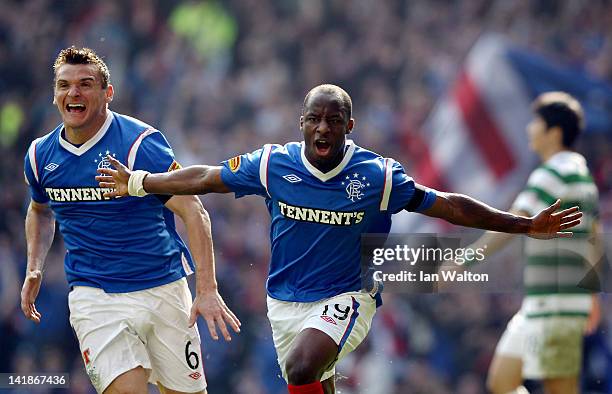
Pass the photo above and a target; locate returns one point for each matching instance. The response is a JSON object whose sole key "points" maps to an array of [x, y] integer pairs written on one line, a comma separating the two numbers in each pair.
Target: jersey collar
{"points": [[325, 176], [94, 140], [566, 156]]}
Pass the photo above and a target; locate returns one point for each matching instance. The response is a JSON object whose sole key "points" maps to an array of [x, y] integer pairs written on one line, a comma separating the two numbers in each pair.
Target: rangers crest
{"points": [[102, 160], [354, 186]]}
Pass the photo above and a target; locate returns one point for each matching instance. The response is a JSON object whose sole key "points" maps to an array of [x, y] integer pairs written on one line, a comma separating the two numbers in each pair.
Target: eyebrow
{"points": [[80, 80]]}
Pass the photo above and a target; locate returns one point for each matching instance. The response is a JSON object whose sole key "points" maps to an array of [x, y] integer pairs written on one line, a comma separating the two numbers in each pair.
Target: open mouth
{"points": [[322, 147], [75, 108]]}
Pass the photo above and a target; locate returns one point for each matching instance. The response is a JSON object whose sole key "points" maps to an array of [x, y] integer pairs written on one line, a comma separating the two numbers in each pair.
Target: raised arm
{"points": [[465, 211], [200, 179], [40, 229]]}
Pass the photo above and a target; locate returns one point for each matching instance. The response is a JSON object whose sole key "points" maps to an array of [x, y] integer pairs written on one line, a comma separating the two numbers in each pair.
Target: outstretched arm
{"points": [[199, 179], [492, 241], [465, 211], [40, 229]]}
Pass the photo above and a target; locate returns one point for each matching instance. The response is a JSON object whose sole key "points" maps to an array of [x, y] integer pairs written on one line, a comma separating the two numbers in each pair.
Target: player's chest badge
{"points": [[102, 161], [355, 185]]}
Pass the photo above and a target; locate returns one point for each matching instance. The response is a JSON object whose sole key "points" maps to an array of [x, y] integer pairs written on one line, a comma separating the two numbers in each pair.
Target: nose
{"points": [[74, 91], [323, 127]]}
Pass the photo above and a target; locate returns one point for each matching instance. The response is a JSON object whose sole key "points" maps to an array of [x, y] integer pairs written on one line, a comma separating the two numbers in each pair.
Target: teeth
{"points": [[75, 106]]}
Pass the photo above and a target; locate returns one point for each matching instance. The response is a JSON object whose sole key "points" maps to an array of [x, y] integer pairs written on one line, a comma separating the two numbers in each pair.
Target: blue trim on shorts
{"points": [[351, 324]]}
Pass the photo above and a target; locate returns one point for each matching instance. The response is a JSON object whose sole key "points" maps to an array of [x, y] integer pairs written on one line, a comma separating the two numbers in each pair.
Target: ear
{"points": [[110, 92], [302, 123], [556, 133], [350, 125]]}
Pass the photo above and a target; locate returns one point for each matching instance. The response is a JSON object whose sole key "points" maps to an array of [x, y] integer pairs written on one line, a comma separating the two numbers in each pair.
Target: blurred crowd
{"points": [[221, 78]]}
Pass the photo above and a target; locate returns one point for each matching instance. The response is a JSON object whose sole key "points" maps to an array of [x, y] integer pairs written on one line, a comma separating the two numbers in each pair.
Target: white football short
{"points": [[346, 318], [118, 332], [549, 347]]}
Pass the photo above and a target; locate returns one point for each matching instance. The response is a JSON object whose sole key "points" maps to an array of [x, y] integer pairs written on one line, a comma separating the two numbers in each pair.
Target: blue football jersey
{"points": [[119, 245], [318, 218]]}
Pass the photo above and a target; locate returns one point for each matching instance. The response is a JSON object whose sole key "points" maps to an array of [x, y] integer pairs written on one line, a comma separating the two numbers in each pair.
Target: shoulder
{"points": [[141, 137], [48, 138], [563, 168], [38, 149], [133, 128], [360, 154], [278, 151], [43, 143], [127, 120], [290, 148], [375, 161], [568, 164]]}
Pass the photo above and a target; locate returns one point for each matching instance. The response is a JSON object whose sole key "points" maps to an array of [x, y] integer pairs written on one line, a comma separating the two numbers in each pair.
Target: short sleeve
{"points": [[243, 174], [401, 192], [36, 190], [154, 154]]}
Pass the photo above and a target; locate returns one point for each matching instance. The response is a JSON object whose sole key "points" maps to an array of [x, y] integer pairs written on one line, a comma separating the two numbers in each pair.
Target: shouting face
{"points": [[80, 97], [325, 125]]}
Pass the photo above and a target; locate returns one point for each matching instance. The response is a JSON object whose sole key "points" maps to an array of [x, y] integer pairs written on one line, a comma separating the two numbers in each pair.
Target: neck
{"points": [[327, 165], [544, 156], [80, 135]]}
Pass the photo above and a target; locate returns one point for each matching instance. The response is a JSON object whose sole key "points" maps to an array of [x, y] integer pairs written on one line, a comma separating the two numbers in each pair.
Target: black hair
{"points": [[559, 109], [347, 103]]}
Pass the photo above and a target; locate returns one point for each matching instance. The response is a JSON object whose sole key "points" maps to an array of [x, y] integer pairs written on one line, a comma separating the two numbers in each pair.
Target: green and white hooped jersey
{"points": [[555, 267]]}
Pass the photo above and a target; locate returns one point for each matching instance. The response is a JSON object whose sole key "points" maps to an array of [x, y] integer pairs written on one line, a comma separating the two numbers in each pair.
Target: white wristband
{"points": [[135, 183]]}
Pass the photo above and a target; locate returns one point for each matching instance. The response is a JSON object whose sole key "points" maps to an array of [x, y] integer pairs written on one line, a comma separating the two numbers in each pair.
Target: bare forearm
{"points": [[201, 245], [197, 222], [468, 212], [40, 229], [200, 179], [493, 241]]}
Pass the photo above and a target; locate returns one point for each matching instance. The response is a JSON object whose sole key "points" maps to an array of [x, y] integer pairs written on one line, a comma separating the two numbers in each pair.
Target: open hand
{"points": [[214, 311], [116, 179], [550, 224], [29, 292]]}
